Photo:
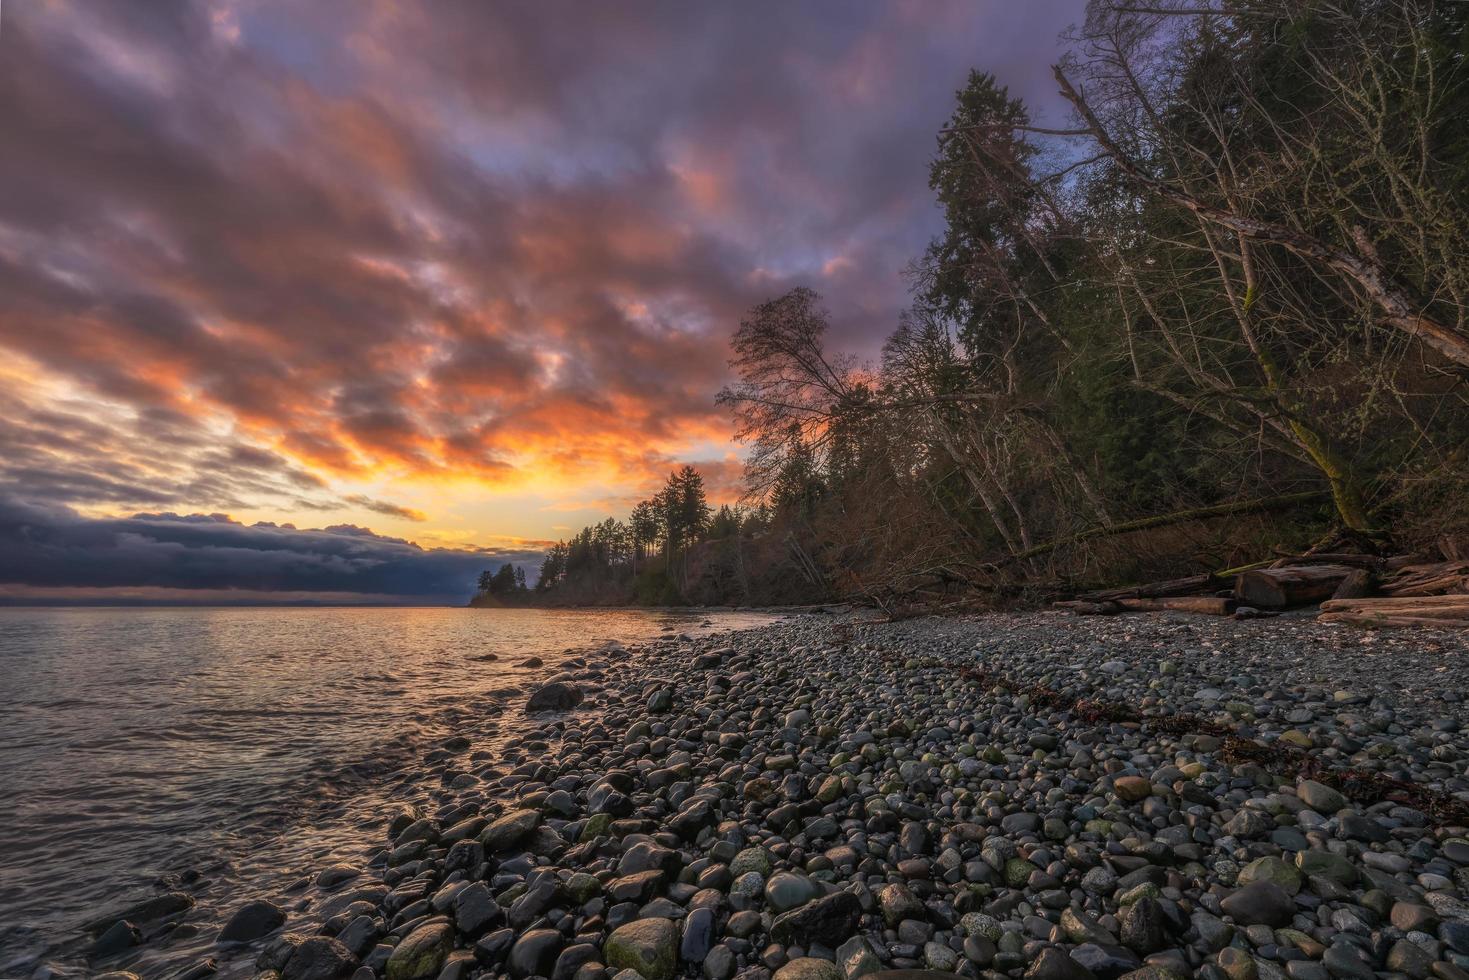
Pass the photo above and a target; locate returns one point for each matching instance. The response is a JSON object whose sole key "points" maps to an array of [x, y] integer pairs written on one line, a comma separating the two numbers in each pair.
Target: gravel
{"points": [[821, 800]]}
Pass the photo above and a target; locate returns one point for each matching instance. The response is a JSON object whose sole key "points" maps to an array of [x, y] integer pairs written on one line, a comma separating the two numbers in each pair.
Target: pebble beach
{"points": [[824, 799]]}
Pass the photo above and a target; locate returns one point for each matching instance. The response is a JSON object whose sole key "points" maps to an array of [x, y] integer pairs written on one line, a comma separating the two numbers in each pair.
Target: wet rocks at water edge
{"points": [[252, 921], [555, 696], [819, 801]]}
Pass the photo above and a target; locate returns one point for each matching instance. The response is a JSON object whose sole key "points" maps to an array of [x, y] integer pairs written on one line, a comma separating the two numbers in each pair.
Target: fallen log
{"points": [[1331, 558], [1356, 585], [1424, 605], [1392, 619], [1204, 604], [1282, 588], [1081, 607], [1237, 507], [1189, 585], [1437, 578]]}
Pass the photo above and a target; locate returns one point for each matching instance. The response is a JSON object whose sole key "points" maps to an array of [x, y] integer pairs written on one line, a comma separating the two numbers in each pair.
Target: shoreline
{"points": [[818, 799]]}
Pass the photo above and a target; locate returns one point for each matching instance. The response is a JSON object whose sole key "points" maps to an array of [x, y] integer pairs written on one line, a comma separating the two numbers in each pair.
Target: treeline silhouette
{"points": [[674, 549]]}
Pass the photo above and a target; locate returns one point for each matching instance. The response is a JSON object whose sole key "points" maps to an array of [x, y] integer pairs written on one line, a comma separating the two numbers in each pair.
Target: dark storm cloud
{"points": [[51, 547]]}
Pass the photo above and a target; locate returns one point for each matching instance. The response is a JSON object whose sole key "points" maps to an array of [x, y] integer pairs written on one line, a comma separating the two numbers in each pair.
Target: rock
{"points": [[647, 856], [475, 909], [359, 935], [1260, 903], [938, 956], [786, 891], [829, 920], [1249, 823], [273, 957], [1018, 872], [898, 903], [1106, 960], [750, 859], [1408, 957], [698, 935], [149, 910], [808, 968], [120, 936], [1342, 960], [649, 946], [1213, 932], [979, 924], [556, 696], [692, 819], [638, 887], [509, 830], [1319, 797], [252, 921], [1456, 935], [1324, 864], [1132, 788], [1272, 869], [1056, 964], [857, 959], [572, 961], [335, 875], [1082, 928], [319, 958], [1237, 964], [534, 953], [1411, 917], [1142, 926], [421, 953]]}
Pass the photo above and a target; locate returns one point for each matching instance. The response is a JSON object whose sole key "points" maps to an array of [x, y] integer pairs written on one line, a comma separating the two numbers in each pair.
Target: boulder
{"points": [[252, 921], [649, 946]]}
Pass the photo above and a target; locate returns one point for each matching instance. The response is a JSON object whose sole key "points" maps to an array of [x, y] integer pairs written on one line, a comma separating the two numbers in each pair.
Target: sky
{"points": [[346, 300]]}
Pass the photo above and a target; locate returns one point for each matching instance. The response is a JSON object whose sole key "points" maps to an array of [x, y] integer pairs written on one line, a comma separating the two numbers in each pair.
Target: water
{"points": [[247, 746]]}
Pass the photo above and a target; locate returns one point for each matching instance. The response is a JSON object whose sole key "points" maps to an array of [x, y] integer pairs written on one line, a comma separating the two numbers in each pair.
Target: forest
{"points": [[1218, 315]]}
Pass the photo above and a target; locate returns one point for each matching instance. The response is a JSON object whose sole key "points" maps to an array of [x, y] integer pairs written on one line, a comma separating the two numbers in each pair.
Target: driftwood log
{"points": [[1443, 611], [1206, 604], [1187, 586], [1359, 584], [1083, 607], [1437, 578], [1295, 585]]}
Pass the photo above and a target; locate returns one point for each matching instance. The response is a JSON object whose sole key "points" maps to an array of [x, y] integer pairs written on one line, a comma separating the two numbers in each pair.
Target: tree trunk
{"points": [[1282, 588]]}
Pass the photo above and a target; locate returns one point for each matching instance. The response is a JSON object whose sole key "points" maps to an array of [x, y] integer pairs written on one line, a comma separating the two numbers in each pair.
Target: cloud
{"points": [[51, 553], [386, 508], [257, 256]]}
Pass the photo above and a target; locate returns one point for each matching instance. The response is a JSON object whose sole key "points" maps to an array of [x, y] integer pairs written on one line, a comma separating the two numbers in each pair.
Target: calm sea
{"points": [[245, 746]]}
